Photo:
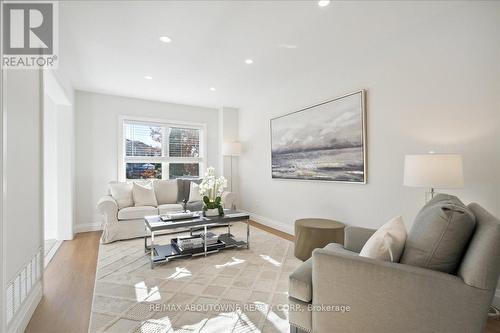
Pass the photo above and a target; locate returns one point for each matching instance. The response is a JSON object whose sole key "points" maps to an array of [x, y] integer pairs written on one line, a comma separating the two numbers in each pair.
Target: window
{"points": [[153, 150]]}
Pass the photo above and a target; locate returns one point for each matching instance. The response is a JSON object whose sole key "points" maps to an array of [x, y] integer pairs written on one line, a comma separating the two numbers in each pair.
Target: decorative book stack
{"points": [[211, 238], [189, 243]]}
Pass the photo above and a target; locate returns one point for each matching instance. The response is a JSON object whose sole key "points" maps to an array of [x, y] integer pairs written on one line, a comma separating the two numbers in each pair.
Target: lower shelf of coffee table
{"points": [[171, 251]]}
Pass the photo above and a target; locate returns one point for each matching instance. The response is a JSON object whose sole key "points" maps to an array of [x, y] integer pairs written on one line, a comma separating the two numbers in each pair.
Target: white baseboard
{"points": [[51, 253], [85, 227], [285, 227], [23, 316]]}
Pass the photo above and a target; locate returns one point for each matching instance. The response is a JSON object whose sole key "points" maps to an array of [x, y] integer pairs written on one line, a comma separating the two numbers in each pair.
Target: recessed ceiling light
{"points": [[147, 77], [323, 3], [248, 61], [165, 39], [212, 89]]}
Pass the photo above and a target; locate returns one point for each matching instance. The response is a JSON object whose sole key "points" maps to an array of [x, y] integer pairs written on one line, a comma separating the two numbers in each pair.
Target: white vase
{"points": [[212, 212]]}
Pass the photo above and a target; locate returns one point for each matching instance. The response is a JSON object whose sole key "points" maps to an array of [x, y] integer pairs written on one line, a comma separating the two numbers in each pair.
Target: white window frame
{"points": [[165, 160]]}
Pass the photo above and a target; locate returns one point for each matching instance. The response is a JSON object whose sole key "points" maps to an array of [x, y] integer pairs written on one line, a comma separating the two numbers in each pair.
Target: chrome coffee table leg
{"points": [[205, 239], [152, 249], [145, 239], [248, 234]]}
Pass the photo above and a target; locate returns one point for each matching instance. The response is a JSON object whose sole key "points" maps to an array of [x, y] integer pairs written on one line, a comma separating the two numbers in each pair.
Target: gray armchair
{"points": [[392, 297]]}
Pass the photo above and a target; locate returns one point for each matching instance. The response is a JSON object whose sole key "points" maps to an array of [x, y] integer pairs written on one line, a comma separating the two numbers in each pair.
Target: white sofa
{"points": [[123, 213]]}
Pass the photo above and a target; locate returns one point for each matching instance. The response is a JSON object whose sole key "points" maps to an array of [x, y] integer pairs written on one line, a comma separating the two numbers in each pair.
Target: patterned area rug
{"points": [[236, 290]]}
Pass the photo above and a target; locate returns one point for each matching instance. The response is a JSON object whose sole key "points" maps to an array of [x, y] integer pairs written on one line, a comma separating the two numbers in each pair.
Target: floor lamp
{"points": [[433, 171], [231, 149], [437, 171]]}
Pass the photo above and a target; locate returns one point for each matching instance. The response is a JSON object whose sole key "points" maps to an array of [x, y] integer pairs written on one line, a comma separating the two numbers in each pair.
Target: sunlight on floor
{"points": [[235, 261], [270, 260], [142, 292], [281, 324], [180, 272]]}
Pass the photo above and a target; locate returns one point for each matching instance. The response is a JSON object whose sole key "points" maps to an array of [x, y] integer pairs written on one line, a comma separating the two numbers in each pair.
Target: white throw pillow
{"points": [[194, 192], [388, 242], [166, 191], [122, 193], [144, 195]]}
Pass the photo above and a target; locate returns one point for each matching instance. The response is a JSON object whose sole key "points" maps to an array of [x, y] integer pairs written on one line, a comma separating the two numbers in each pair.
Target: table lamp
{"points": [[434, 171]]}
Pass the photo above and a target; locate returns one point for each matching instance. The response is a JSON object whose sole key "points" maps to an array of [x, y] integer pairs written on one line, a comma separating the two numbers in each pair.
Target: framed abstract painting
{"points": [[326, 141]]}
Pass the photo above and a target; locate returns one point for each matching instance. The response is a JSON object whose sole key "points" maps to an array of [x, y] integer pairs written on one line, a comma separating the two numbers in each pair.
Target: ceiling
{"points": [[110, 46]]}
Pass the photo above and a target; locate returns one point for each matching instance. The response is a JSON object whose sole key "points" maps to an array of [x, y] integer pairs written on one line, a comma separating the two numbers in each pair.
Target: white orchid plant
{"points": [[211, 189]]}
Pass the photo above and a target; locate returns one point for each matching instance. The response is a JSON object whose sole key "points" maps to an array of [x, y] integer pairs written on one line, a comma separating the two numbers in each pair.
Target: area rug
{"points": [[236, 290]]}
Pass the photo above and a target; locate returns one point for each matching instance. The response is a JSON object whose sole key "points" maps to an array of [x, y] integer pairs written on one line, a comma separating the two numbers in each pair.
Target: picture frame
{"points": [[322, 142]]}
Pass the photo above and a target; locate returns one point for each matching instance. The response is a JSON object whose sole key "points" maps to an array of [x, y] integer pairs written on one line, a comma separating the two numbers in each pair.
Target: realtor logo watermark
{"points": [[30, 34]]}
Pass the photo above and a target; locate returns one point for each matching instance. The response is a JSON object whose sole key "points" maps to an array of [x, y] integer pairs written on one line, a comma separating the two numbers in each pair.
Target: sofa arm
{"points": [[391, 297], [228, 199], [108, 207], [356, 237]]}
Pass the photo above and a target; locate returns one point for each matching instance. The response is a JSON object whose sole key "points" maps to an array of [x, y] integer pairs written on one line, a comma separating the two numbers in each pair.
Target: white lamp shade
{"points": [[434, 171], [231, 149]]}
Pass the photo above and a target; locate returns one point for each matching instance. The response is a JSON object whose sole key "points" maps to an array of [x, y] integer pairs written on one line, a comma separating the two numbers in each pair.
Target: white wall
{"points": [[434, 87], [59, 151], [50, 167], [22, 217], [229, 124], [97, 142], [23, 194], [66, 171]]}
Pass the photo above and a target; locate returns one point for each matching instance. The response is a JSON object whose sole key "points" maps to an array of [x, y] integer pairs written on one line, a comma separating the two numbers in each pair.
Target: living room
{"points": [[250, 166]]}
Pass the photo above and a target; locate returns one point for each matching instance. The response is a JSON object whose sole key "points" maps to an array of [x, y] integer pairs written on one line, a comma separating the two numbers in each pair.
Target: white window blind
{"points": [[161, 151], [184, 142], [143, 140]]}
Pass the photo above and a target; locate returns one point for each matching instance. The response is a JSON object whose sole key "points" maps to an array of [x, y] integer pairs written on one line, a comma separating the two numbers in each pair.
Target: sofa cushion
{"points": [[122, 193], [439, 235], [300, 281], [138, 212], [169, 208], [144, 195], [166, 191], [387, 243]]}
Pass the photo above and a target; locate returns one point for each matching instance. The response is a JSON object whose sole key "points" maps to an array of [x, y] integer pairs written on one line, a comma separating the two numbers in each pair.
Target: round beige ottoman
{"points": [[311, 234]]}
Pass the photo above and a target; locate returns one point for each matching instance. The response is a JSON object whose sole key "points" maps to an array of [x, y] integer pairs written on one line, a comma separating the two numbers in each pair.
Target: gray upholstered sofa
{"points": [[126, 220], [392, 297]]}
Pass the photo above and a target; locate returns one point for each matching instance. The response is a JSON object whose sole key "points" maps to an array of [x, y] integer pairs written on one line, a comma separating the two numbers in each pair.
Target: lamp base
{"points": [[429, 195]]}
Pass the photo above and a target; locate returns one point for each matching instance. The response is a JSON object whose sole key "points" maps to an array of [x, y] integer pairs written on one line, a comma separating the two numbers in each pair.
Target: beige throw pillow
{"points": [[122, 193], [388, 242], [194, 192], [144, 195], [166, 191]]}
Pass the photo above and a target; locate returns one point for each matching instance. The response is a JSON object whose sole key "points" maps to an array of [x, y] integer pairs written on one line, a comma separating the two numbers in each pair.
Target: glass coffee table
{"points": [[164, 253]]}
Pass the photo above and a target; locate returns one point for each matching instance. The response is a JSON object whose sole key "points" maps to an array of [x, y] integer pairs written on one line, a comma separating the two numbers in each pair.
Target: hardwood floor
{"points": [[273, 231], [69, 286], [493, 326]]}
